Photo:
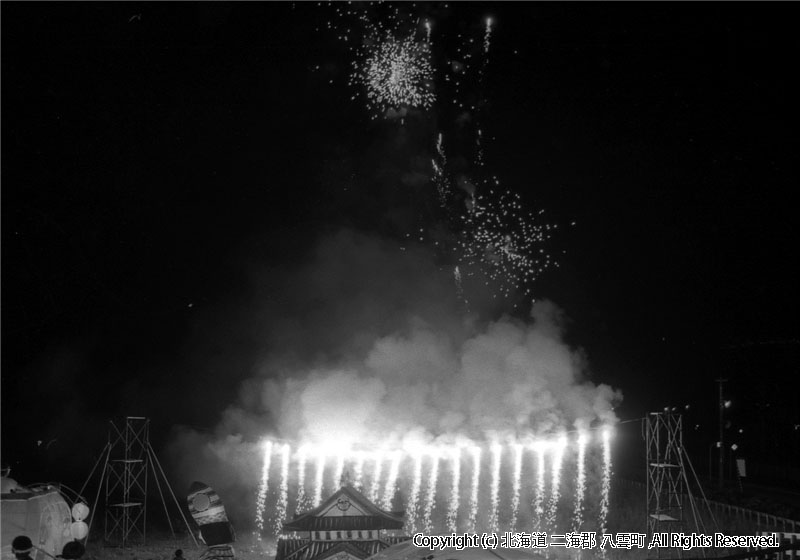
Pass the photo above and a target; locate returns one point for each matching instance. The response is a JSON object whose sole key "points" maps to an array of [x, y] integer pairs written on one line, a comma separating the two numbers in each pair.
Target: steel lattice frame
{"points": [[666, 479], [126, 482]]}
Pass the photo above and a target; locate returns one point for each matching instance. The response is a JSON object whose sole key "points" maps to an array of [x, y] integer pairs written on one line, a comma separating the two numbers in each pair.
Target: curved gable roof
{"points": [[345, 509]]}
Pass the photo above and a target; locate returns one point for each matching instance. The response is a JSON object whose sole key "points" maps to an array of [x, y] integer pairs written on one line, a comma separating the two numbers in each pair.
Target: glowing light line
{"points": [[283, 494], [318, 478], [455, 482], [263, 487], [473, 498], [516, 481], [497, 454], [430, 498]]}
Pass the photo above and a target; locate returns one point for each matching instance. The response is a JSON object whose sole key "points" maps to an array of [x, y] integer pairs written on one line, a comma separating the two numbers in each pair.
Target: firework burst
{"points": [[504, 241], [396, 74]]}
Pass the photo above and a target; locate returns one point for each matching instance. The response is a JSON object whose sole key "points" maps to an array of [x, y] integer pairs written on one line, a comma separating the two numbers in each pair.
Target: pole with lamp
{"points": [[723, 404]]}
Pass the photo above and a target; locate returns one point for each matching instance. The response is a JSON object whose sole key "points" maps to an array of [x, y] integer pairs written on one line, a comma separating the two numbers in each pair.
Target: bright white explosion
{"points": [[526, 485]]}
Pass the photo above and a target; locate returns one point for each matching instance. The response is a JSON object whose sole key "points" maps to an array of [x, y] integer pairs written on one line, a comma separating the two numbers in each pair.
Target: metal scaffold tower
{"points": [[671, 506], [127, 461], [126, 482], [665, 477]]}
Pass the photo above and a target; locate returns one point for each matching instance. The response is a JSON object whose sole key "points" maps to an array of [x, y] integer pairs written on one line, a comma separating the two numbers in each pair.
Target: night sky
{"points": [[167, 169]]}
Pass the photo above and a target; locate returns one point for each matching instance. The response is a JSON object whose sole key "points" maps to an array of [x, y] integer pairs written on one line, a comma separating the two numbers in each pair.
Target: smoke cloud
{"points": [[365, 344]]}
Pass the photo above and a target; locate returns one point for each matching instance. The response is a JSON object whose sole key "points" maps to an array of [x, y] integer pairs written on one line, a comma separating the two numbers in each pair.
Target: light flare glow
{"points": [[261, 499], [428, 511]]}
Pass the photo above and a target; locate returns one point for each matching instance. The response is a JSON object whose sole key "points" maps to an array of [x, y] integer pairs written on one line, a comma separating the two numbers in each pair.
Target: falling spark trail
{"points": [[538, 501], [318, 478], [358, 471], [430, 498], [283, 495], [263, 487], [501, 484], [487, 36], [338, 470], [580, 482], [459, 285], [391, 480], [555, 482], [376, 478], [473, 498], [517, 476], [301, 479], [606, 487], [452, 512], [497, 451], [413, 496]]}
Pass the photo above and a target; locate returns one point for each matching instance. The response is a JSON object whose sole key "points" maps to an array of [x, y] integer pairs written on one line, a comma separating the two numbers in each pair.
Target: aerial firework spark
{"points": [[487, 36], [504, 241], [498, 241], [396, 75]]}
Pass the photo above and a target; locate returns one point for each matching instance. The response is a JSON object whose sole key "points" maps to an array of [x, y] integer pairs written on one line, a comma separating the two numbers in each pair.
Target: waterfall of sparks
{"points": [[606, 488], [487, 36], [283, 494], [455, 498], [538, 500], [263, 487], [430, 498], [376, 477], [338, 471], [580, 482], [413, 497], [358, 472], [497, 454], [391, 480], [473, 498], [517, 480], [301, 480], [555, 482], [318, 478]]}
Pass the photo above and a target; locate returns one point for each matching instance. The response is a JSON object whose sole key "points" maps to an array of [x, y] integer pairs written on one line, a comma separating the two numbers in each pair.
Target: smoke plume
{"points": [[366, 344]]}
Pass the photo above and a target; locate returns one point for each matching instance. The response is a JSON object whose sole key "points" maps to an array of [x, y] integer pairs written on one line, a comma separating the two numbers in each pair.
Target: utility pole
{"points": [[721, 435]]}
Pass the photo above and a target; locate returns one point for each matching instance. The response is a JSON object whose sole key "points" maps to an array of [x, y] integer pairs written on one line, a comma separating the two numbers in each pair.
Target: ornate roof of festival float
{"points": [[346, 510], [346, 526]]}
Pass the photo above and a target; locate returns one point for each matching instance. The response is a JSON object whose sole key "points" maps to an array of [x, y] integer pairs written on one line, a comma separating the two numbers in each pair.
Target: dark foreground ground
{"points": [[163, 547]]}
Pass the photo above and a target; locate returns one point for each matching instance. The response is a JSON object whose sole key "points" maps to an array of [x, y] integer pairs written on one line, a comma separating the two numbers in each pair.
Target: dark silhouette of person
{"points": [[22, 547]]}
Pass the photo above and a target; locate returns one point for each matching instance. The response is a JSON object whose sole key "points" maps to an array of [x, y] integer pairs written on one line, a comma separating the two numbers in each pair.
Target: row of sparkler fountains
{"points": [[377, 474]]}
